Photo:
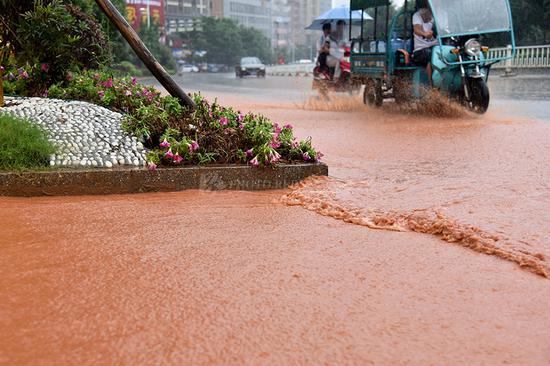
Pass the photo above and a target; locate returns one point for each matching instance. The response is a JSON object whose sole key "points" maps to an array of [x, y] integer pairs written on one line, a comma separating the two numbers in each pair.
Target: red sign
{"points": [[139, 11]]}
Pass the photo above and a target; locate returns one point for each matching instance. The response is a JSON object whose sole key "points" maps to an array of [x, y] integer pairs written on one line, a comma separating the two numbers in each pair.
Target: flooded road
{"points": [[428, 244]]}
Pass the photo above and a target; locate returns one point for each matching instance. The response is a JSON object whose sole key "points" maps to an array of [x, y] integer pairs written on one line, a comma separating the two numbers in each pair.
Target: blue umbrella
{"points": [[336, 14]]}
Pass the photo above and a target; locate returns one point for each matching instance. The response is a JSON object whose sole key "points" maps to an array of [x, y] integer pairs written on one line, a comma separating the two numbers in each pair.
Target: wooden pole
{"points": [[143, 53]]}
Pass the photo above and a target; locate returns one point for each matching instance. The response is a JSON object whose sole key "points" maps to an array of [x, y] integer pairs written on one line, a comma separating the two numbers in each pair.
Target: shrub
{"points": [[127, 68], [49, 36], [22, 145]]}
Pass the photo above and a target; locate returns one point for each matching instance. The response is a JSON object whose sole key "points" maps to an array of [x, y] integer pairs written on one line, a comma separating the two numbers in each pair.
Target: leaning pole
{"points": [[143, 53]]}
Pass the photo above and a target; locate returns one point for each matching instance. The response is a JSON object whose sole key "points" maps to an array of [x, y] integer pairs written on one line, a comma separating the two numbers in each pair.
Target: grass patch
{"points": [[23, 146]]}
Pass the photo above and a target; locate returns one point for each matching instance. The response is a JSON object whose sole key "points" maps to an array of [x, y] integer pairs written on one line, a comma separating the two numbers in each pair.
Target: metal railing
{"points": [[291, 70], [526, 57]]}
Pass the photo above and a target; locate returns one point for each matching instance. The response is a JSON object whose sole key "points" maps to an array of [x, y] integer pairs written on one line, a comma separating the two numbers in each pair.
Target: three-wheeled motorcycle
{"points": [[382, 55]]}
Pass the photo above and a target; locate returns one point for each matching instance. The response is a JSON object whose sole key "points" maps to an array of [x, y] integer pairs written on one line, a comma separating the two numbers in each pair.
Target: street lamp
{"points": [[148, 14]]}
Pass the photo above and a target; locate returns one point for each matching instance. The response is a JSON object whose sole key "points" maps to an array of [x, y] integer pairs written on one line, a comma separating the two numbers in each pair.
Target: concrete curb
{"points": [[125, 181]]}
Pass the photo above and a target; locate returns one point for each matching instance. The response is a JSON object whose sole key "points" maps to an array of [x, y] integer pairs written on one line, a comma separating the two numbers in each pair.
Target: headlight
{"points": [[262, 67], [243, 68], [472, 47]]}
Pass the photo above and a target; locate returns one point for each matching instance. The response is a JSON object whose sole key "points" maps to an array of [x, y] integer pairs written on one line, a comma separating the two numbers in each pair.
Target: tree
{"points": [[531, 21], [226, 42]]}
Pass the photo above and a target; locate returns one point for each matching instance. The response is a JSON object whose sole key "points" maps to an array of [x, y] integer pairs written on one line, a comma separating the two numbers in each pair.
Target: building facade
{"points": [[181, 15], [280, 21], [303, 13], [216, 8], [250, 13]]}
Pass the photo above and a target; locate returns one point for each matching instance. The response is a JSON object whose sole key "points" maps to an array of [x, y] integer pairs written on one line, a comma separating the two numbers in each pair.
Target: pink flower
{"points": [[278, 129], [101, 94], [240, 118], [194, 146], [70, 76], [152, 166], [45, 94], [274, 157], [2, 69], [134, 81], [254, 162], [108, 84], [169, 154], [319, 155], [306, 156], [23, 74], [249, 153], [288, 126], [45, 67], [128, 93], [241, 126], [177, 159], [275, 144], [295, 145], [224, 121], [164, 144]]}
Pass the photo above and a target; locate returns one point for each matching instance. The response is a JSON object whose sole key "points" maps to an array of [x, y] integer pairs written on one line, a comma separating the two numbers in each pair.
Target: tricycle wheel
{"points": [[479, 96], [373, 93]]}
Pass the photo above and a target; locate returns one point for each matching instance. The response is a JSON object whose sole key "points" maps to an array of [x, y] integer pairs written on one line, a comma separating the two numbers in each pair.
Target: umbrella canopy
{"points": [[336, 14]]}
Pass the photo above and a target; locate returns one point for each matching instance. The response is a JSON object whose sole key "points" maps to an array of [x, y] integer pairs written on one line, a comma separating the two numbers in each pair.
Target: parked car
{"points": [[185, 68], [250, 66], [214, 68]]}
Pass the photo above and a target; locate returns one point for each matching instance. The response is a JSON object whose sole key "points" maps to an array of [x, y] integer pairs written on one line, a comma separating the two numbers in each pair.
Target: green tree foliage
{"points": [[226, 42], [531, 21], [121, 50], [150, 36]]}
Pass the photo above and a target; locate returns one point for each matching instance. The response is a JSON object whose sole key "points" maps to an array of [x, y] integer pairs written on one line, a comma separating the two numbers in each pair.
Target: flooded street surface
{"points": [[428, 244]]}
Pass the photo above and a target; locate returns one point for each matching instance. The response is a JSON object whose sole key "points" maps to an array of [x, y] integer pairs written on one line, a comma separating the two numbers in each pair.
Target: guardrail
{"points": [[291, 70], [526, 57]]}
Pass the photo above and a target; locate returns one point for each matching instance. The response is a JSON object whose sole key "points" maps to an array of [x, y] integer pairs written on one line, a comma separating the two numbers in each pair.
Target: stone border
{"points": [[125, 181]]}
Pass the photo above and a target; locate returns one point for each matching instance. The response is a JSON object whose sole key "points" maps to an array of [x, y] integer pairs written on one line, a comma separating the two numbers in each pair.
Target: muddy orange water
{"points": [[429, 244]]}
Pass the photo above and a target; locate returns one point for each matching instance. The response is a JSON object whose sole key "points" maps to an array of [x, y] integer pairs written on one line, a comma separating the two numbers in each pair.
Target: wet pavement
{"points": [[523, 95], [427, 245]]}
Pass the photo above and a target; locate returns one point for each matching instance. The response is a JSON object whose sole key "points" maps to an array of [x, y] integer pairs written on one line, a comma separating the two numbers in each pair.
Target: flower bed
{"points": [[174, 135]]}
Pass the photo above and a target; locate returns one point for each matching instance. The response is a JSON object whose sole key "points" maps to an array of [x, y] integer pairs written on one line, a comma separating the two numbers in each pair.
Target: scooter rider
{"points": [[337, 41], [323, 47]]}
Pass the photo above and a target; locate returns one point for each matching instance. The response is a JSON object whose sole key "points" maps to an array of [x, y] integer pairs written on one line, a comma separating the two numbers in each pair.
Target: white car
{"points": [[185, 68]]}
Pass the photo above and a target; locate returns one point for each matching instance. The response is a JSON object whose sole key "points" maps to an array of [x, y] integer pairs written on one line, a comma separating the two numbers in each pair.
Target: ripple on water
{"points": [[331, 197]]}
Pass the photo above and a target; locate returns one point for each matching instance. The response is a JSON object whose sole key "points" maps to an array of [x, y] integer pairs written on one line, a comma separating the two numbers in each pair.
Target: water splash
{"points": [[433, 104], [333, 102]]}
